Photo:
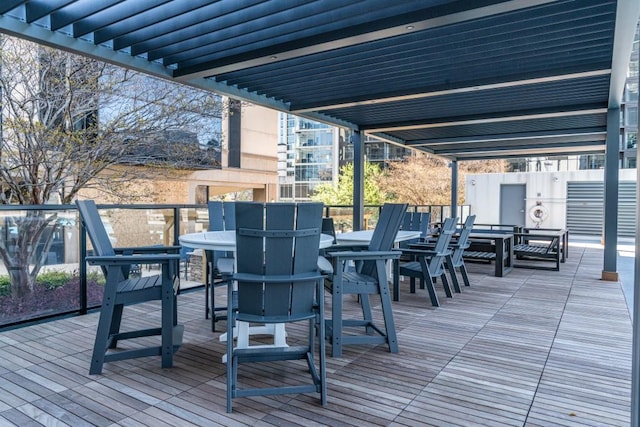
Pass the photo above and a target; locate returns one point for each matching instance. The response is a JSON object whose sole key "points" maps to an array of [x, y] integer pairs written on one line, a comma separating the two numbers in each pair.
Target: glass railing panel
{"points": [[39, 274], [40, 251]]}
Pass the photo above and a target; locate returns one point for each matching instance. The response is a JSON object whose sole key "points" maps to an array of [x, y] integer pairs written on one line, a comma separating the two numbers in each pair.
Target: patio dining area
{"points": [[532, 348]]}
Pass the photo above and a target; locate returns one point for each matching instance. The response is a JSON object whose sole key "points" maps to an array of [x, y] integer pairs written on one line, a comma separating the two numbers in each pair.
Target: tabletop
{"points": [[226, 240], [363, 237]]}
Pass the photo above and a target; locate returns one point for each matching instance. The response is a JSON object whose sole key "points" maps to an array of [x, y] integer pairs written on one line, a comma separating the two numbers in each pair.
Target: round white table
{"points": [[226, 241], [363, 237]]}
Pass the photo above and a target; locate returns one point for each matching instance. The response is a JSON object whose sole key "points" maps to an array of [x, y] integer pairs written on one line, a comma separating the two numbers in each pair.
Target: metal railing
{"points": [[65, 284]]}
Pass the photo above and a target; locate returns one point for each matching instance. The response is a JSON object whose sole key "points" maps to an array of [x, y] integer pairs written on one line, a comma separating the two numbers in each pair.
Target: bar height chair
{"points": [[369, 278], [278, 281], [121, 289]]}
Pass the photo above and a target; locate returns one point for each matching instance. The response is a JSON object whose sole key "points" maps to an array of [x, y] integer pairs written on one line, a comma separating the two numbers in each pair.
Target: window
{"points": [[631, 116]]}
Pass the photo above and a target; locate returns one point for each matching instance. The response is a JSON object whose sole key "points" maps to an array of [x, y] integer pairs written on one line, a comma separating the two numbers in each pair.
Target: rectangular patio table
{"points": [[503, 248]]}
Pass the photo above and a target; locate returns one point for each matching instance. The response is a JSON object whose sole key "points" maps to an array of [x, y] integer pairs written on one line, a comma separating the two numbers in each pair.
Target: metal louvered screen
{"points": [[585, 208]]}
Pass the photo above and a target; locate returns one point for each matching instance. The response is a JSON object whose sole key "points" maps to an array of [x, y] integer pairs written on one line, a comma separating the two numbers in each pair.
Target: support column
{"points": [[635, 348], [609, 271], [358, 181], [454, 189]]}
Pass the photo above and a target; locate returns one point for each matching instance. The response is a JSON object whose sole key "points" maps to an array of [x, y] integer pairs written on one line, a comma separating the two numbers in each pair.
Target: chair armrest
{"points": [[258, 278], [132, 259], [424, 252], [346, 247], [147, 250], [423, 246], [365, 255]]}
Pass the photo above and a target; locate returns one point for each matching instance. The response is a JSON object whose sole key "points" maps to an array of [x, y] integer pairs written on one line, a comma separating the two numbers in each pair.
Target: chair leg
{"points": [[168, 317], [206, 299], [465, 276], [231, 360], [336, 321], [322, 347], [445, 284], [102, 337], [116, 320], [396, 280], [452, 273], [426, 278], [365, 304], [433, 296], [387, 310]]}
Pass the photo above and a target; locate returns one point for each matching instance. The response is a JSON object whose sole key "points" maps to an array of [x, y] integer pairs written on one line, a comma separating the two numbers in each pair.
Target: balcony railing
{"points": [[43, 271]]}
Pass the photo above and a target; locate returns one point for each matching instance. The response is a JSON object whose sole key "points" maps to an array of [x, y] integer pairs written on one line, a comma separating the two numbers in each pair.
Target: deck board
{"points": [[532, 348]]}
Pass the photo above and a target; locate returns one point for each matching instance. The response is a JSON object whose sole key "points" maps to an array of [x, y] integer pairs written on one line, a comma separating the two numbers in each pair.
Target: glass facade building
{"points": [[311, 153]]}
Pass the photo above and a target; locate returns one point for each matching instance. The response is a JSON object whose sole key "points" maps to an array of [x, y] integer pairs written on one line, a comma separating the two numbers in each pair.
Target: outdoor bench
{"points": [[533, 246]]}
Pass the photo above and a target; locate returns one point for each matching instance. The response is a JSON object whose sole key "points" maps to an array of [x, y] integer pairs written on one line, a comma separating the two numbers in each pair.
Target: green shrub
{"points": [[5, 286], [97, 277], [53, 279]]}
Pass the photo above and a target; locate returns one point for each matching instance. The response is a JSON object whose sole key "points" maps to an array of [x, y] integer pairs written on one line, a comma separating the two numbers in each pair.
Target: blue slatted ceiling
{"points": [[442, 57], [517, 40]]}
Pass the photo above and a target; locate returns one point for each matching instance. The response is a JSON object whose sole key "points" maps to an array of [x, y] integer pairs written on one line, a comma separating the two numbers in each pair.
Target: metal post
{"points": [[635, 348], [82, 269], [358, 181], [454, 189], [609, 271]]}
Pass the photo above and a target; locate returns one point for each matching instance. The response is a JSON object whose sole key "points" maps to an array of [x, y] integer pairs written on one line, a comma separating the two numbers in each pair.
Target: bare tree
{"points": [[423, 179], [70, 123]]}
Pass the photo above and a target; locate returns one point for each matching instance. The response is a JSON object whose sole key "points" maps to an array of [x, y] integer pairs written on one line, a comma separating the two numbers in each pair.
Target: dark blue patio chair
{"points": [[458, 246], [426, 264], [278, 281], [416, 221], [369, 278], [220, 264], [121, 289]]}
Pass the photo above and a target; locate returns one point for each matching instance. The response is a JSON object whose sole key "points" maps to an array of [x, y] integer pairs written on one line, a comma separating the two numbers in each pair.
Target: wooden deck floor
{"points": [[533, 348]]}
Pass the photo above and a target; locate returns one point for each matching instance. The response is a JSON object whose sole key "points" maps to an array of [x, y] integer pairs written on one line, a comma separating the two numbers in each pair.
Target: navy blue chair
{"points": [[219, 263], [278, 281], [426, 263], [369, 278], [122, 289]]}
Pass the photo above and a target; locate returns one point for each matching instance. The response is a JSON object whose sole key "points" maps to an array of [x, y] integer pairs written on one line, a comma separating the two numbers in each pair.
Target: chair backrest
{"points": [[222, 215], [387, 227], [95, 227], [329, 228], [384, 235], [436, 263], [417, 221], [90, 217], [277, 239], [463, 240]]}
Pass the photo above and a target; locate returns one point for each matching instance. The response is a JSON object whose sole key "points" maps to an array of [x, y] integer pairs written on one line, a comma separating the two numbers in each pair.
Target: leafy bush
{"points": [[53, 279], [5, 285], [97, 277]]}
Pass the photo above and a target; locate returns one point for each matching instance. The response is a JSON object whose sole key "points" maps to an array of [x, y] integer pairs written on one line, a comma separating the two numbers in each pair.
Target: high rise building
{"points": [[311, 153], [307, 156]]}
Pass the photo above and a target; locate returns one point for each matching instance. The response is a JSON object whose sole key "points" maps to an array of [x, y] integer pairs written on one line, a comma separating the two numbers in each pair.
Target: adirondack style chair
{"points": [[220, 264], [121, 289], [369, 278], [427, 264], [416, 221], [458, 247], [278, 281]]}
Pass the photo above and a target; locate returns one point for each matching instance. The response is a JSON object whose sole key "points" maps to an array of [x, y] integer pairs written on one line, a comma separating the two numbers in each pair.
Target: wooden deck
{"points": [[534, 348]]}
